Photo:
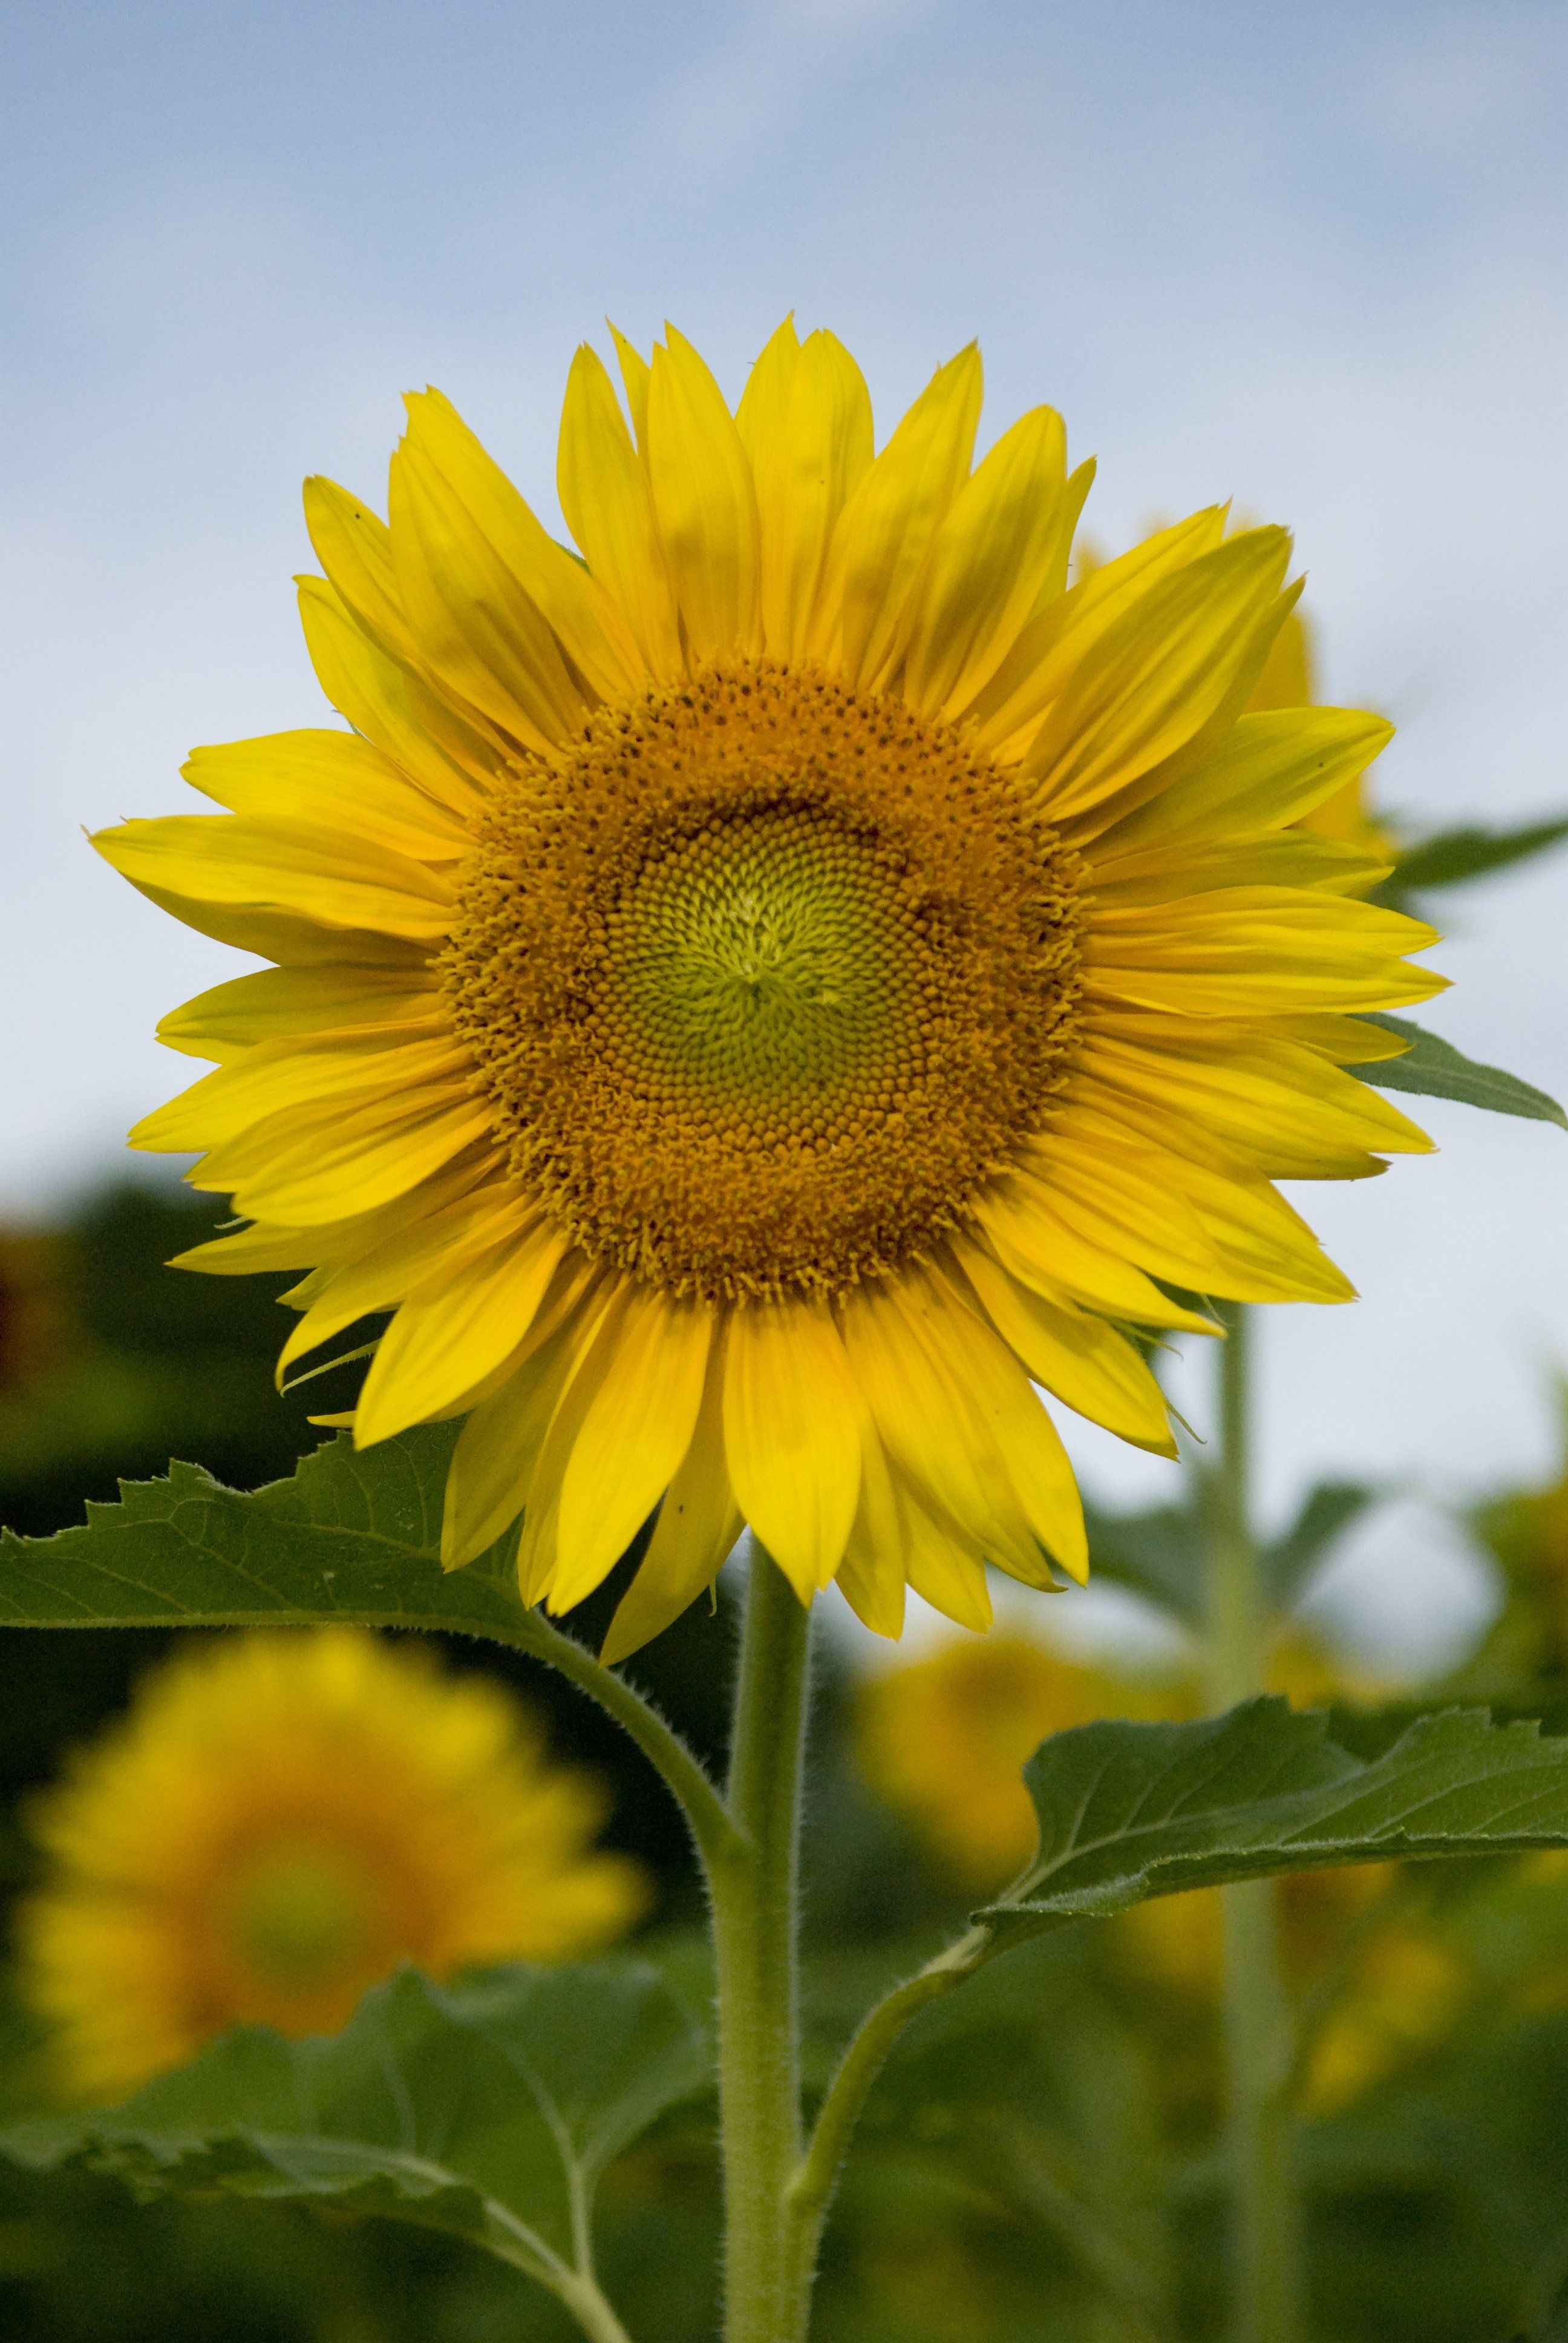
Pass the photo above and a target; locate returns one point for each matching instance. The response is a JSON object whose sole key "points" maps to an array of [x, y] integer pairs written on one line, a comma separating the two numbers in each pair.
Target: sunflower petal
{"points": [[789, 1436], [288, 865], [604, 495], [633, 1437], [697, 1531], [805, 421], [1077, 1358], [457, 1326], [705, 501], [988, 561], [883, 538]]}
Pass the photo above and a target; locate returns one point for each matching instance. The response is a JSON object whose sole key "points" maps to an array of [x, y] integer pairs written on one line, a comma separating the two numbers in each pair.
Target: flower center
{"points": [[299, 1918], [764, 981]]}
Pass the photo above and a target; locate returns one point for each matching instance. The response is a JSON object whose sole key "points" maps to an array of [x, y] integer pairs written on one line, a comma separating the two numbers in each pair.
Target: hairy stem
{"points": [[1266, 2219], [716, 1835], [756, 1893], [811, 2190]]}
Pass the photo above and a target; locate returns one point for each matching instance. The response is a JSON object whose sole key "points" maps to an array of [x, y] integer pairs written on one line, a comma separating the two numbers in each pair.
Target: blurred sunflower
{"points": [[281, 1820], [944, 1742], [756, 999]]}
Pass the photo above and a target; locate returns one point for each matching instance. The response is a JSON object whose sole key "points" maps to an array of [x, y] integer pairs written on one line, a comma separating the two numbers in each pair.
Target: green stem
{"points": [[755, 1888], [811, 2190], [707, 1816], [1266, 2220]]}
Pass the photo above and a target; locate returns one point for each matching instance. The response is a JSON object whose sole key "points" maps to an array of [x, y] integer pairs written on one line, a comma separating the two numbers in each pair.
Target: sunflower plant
{"points": [[763, 1004]]}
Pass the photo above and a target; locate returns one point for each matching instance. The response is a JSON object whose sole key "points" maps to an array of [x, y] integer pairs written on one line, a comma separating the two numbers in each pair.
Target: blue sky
{"points": [[1314, 259]]}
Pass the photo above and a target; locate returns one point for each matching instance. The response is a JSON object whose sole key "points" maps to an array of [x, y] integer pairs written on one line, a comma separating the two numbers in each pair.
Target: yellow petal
{"points": [[805, 421], [278, 1004], [497, 1450], [946, 1572], [285, 1075], [1038, 1248], [989, 561], [1006, 714], [1258, 949], [1343, 1041], [871, 1575], [331, 778], [1179, 661], [883, 538], [486, 643], [319, 1164], [386, 703], [1077, 1358], [635, 374], [930, 1422], [705, 501], [1015, 1417], [695, 1533], [458, 1325], [633, 1437], [1275, 858], [577, 609], [283, 865], [608, 506], [1268, 771], [789, 1436]]}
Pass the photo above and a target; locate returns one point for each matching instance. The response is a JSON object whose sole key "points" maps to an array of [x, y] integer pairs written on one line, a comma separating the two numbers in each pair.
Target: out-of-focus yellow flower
{"points": [[33, 1322], [1406, 1992], [944, 1742], [281, 1820]]}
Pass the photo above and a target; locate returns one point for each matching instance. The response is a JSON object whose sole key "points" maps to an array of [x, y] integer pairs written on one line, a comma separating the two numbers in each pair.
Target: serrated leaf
{"points": [[1326, 1512], [1128, 1811], [1434, 1068], [351, 1537], [486, 2110], [1452, 857]]}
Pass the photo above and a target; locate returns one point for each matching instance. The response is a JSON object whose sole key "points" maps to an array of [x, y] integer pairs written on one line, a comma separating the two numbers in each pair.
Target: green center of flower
{"points": [[301, 1917], [765, 981]]}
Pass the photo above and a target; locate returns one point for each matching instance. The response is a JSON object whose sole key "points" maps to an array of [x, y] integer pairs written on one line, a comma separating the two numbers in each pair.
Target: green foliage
{"points": [[350, 1536], [1434, 1068], [1132, 1811], [1450, 858], [487, 2111], [1163, 1553]]}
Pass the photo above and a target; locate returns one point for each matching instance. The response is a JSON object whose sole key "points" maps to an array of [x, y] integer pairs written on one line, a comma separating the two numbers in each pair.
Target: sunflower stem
{"points": [[756, 1898], [1266, 2259]]}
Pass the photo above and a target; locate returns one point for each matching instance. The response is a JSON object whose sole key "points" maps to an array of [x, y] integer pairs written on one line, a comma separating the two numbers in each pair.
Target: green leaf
{"points": [[350, 1536], [1326, 1512], [488, 2110], [1159, 1554], [1434, 1068], [1452, 857], [1163, 1553], [1128, 1811]]}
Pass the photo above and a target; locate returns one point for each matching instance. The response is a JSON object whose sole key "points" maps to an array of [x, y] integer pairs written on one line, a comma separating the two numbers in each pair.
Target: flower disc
{"points": [[765, 981]]}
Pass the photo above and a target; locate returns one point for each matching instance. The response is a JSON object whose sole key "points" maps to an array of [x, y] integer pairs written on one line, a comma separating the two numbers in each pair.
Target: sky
{"points": [[1316, 260]]}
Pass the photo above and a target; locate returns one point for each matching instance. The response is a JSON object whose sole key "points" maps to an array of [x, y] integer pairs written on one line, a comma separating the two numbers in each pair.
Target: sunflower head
{"points": [[762, 997], [280, 1820]]}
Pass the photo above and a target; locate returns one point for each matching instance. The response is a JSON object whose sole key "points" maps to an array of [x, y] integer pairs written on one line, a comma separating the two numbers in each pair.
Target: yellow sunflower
{"points": [[282, 1819], [760, 999]]}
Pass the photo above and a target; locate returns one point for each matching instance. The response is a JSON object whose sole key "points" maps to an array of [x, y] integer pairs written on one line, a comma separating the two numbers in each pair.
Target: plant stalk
{"points": [[1266, 2255], [755, 1887]]}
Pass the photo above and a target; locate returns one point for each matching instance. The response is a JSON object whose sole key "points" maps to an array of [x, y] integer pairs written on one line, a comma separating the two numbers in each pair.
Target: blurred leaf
{"points": [[1161, 1554], [1128, 1811], [351, 1537], [1434, 1068], [487, 2111], [1452, 857], [1326, 1512]]}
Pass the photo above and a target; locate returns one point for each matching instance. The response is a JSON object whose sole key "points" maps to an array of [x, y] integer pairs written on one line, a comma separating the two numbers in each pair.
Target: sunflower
{"points": [[280, 1822], [760, 1000]]}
